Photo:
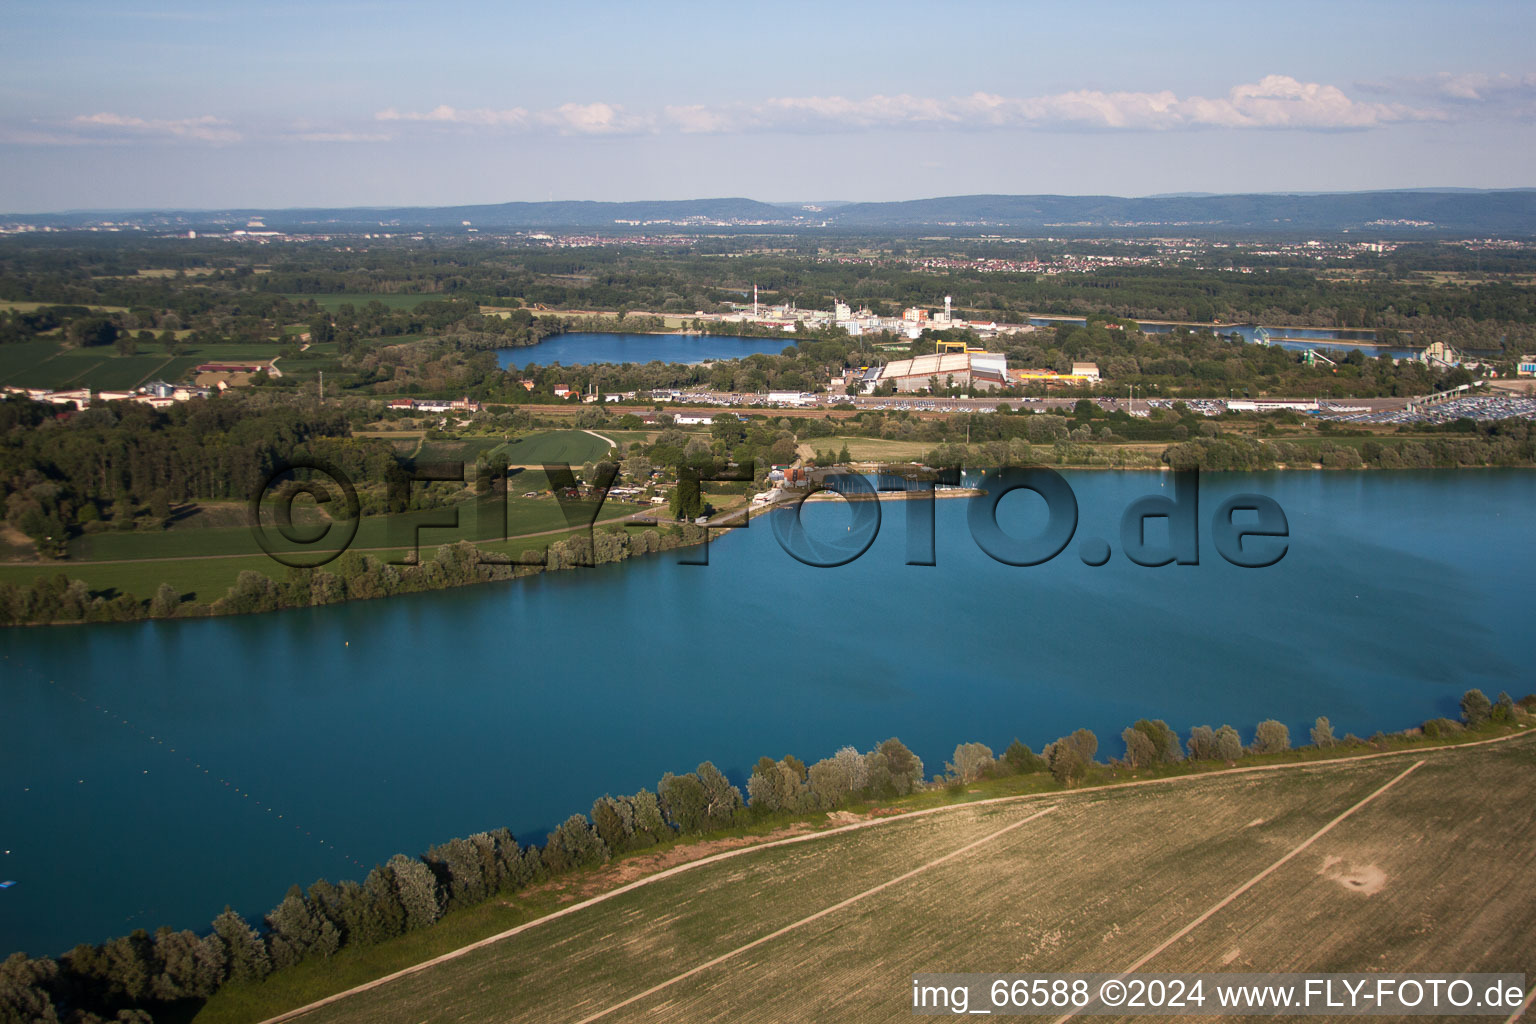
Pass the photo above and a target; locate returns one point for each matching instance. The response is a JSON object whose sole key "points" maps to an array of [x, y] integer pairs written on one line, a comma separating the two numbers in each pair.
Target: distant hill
{"points": [[1510, 212], [1501, 212]]}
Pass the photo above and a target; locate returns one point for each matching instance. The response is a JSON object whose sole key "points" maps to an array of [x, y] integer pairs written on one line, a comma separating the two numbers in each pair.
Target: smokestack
{"points": [[754, 300]]}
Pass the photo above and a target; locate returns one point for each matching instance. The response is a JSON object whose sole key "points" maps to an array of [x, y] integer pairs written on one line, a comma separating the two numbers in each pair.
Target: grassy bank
{"points": [[518, 973]]}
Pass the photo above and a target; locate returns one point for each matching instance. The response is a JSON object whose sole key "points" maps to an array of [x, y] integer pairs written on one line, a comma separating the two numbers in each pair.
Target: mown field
{"points": [[477, 521], [51, 364], [207, 578], [574, 447], [874, 449], [334, 301], [1431, 872]]}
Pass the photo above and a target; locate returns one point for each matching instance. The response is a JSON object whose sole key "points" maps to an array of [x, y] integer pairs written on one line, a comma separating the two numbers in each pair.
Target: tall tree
{"points": [[245, 955]]}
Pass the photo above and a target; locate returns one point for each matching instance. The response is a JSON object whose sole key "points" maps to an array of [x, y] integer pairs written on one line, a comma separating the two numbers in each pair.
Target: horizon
{"points": [[786, 203]]}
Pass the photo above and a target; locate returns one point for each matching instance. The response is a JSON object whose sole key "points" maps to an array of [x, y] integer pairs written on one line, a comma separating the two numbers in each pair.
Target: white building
{"points": [[979, 371]]}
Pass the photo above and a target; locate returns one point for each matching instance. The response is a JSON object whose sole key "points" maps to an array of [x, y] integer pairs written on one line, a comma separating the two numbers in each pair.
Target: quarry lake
{"points": [[583, 348], [151, 773]]}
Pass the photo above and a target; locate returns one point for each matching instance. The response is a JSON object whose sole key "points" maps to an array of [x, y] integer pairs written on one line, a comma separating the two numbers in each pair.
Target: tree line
{"points": [[133, 977], [354, 576]]}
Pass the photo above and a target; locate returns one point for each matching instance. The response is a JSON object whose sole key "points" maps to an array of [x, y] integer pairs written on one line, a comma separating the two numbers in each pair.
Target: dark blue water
{"points": [[388, 726], [586, 348]]}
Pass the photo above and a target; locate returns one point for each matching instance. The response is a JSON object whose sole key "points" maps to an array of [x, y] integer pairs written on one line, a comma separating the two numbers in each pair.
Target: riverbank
{"points": [[311, 986], [496, 685]]}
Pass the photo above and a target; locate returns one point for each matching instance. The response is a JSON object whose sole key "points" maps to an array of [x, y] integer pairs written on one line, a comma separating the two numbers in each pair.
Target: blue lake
{"points": [[151, 773], [580, 349]]}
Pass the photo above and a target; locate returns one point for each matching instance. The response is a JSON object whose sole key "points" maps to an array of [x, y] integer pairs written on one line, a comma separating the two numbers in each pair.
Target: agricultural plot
{"points": [[625, 438], [1344, 867], [477, 521], [49, 364], [332, 302], [19, 359], [123, 372], [202, 580], [874, 449], [570, 446]]}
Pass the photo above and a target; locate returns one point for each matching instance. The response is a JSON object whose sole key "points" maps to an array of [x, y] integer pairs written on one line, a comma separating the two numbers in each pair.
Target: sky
{"points": [[135, 104]]}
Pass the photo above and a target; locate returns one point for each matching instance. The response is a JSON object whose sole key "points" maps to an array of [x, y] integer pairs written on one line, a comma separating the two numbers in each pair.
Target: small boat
{"points": [[6, 884]]}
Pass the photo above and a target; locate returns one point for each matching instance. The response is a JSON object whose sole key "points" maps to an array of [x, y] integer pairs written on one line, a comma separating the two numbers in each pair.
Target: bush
{"points": [[971, 760], [1322, 733], [1022, 760], [1229, 746], [1271, 737], [1476, 709], [1441, 728], [1070, 756], [1139, 751]]}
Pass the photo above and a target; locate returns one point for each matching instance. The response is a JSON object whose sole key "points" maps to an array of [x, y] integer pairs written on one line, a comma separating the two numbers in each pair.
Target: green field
{"points": [[1382, 864], [478, 521], [29, 307], [332, 302], [625, 438], [575, 447], [51, 364], [874, 449], [205, 578], [19, 359]]}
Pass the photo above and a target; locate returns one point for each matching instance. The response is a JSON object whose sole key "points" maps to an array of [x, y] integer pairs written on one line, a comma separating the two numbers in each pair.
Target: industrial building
{"points": [[971, 371]]}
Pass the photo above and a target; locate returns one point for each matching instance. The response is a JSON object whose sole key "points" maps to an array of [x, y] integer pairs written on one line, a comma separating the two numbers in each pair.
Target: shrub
{"points": [[1271, 737], [1229, 746], [1202, 743], [1022, 760], [1070, 756], [1441, 728], [971, 760], [1475, 708]]}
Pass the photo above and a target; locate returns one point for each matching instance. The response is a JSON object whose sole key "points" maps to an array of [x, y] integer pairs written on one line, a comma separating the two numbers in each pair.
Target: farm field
{"points": [[203, 580], [206, 578], [29, 307], [332, 302], [570, 446], [625, 438], [18, 359], [873, 449], [477, 521], [50, 364], [1417, 861]]}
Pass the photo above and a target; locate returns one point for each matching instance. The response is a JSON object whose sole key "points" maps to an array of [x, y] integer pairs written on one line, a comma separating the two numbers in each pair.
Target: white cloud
{"points": [[342, 136], [567, 119], [1274, 102], [516, 117], [204, 129], [1478, 87]]}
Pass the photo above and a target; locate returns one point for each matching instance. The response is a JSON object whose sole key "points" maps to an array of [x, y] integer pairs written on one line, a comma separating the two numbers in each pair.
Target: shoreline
{"points": [[50, 570]]}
